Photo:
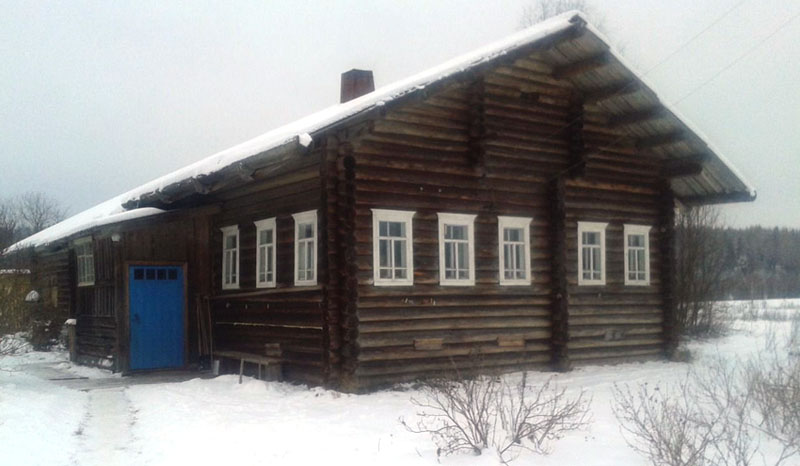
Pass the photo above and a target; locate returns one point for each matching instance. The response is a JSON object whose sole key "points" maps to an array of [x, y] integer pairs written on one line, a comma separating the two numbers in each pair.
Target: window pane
{"points": [[306, 230], [455, 232], [513, 234], [310, 262], [270, 265], [397, 229], [301, 254], [636, 240], [400, 254], [383, 252], [262, 260], [383, 228], [385, 273], [596, 259], [640, 265], [519, 262], [587, 259], [449, 260], [230, 242], [400, 273], [591, 238], [463, 257]]}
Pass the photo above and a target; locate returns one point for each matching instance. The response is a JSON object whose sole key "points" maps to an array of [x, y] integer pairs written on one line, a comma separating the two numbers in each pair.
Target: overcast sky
{"points": [[99, 97]]}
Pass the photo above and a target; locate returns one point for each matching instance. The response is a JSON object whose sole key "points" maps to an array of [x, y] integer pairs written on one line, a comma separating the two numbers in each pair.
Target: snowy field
{"points": [[217, 421]]}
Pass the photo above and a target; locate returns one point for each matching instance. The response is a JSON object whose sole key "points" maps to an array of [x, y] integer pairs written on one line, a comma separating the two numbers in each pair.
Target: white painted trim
{"points": [[467, 220], [514, 222], [384, 215], [231, 230], [309, 216], [596, 227], [638, 230], [262, 225], [80, 243]]}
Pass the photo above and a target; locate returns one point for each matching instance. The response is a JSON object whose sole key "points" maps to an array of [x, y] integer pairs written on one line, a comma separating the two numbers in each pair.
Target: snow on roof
{"points": [[301, 130], [111, 211]]}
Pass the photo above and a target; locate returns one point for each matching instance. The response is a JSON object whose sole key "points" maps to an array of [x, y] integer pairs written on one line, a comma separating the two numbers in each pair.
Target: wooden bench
{"points": [[243, 357]]}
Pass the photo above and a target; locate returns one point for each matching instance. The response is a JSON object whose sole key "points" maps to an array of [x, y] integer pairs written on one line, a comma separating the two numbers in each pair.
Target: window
{"points": [[265, 253], [392, 247], [514, 250], [305, 247], [592, 253], [637, 255], [84, 257], [230, 257], [456, 249]]}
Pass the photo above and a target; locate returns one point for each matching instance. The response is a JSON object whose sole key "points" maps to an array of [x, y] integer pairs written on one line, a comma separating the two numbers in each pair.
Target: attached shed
{"points": [[516, 203]]}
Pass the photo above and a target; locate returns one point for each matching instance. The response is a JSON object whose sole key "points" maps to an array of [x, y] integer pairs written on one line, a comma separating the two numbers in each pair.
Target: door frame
{"points": [[125, 333]]}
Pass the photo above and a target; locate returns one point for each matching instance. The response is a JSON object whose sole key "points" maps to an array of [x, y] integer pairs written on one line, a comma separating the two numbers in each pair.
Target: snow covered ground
{"points": [[217, 421]]}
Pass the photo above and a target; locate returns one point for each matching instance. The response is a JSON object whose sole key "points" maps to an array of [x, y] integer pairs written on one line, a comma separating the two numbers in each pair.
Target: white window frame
{"points": [[467, 220], [592, 227], [384, 215], [262, 225], [301, 218], [84, 262], [228, 231], [514, 222], [639, 230]]}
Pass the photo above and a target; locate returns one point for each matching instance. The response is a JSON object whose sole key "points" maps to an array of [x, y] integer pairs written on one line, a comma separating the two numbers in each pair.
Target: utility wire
{"points": [[710, 79], [740, 57]]}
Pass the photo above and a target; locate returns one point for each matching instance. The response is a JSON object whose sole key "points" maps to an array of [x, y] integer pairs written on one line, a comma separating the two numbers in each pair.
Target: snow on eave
{"points": [[671, 108], [303, 130], [299, 131], [106, 213]]}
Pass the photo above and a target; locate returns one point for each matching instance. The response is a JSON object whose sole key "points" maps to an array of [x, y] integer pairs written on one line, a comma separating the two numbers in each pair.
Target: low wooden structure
{"points": [[548, 126]]}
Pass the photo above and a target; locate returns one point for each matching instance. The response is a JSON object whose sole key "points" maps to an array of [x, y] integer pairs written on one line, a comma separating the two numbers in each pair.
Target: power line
{"points": [[739, 58], [694, 37]]}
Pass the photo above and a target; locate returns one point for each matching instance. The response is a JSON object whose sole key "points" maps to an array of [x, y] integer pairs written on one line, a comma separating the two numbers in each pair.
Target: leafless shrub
{"points": [[793, 341], [13, 344], [774, 385], [473, 414], [718, 417]]}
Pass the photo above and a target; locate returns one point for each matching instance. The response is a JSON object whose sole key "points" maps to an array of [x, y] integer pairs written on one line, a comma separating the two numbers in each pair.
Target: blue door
{"points": [[156, 317]]}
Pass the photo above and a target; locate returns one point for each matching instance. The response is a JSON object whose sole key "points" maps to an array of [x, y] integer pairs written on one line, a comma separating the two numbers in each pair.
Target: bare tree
{"points": [[540, 10], [699, 269], [37, 211], [8, 224]]}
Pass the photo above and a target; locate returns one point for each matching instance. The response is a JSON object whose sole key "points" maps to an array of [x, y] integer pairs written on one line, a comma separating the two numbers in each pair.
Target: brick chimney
{"points": [[356, 83]]}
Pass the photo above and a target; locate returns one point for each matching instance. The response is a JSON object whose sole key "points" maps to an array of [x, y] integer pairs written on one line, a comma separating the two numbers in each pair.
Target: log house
{"points": [[515, 204]]}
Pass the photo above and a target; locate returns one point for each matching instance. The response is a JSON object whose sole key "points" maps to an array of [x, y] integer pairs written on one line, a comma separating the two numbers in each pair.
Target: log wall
{"points": [[497, 144], [248, 318]]}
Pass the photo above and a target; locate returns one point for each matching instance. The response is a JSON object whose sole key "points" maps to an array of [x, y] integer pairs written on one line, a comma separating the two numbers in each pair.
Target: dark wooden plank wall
{"points": [[494, 146], [181, 240], [96, 330], [614, 322], [446, 155], [248, 318], [51, 275]]}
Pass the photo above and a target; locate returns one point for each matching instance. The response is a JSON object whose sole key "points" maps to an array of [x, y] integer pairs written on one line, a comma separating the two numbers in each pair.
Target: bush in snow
{"points": [[14, 344], [722, 416], [473, 414]]}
